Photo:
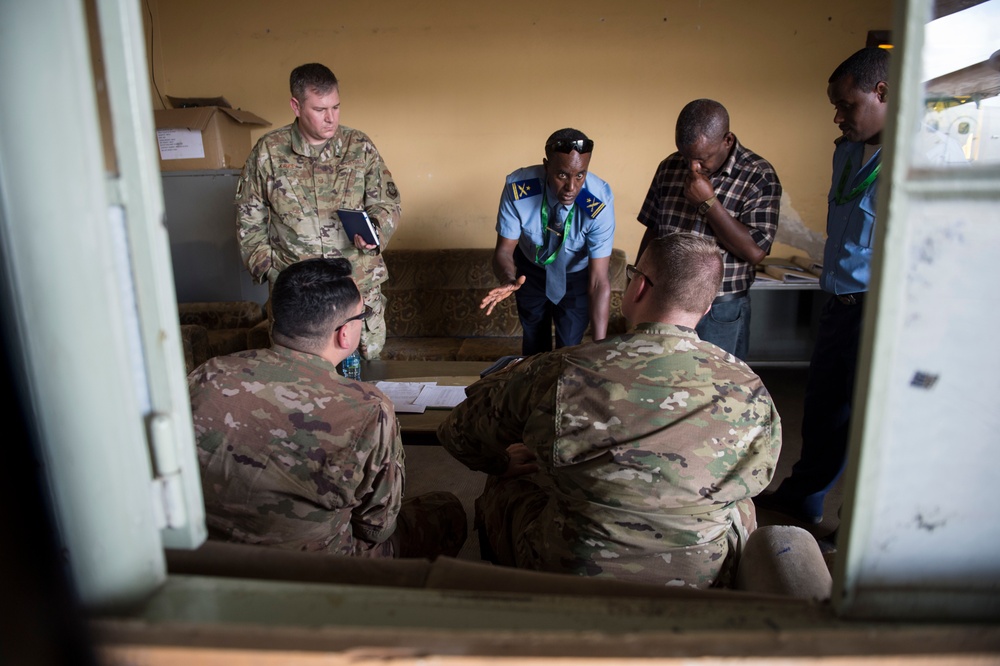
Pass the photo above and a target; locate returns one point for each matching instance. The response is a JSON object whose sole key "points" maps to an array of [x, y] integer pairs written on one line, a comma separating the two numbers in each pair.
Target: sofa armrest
{"points": [[785, 560]]}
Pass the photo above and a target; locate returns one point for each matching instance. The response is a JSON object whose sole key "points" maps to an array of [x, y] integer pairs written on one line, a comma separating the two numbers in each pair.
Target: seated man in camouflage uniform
{"points": [[294, 455], [634, 457]]}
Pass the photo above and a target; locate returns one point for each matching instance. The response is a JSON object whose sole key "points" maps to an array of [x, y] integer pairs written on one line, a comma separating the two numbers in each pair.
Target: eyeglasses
{"points": [[367, 312], [631, 271], [567, 146]]}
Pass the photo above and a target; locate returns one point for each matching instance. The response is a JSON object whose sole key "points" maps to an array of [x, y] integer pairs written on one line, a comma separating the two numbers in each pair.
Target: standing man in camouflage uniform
{"points": [[634, 457], [294, 455], [296, 179]]}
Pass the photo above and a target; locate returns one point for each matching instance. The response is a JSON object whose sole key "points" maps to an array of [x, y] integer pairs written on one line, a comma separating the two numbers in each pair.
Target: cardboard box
{"points": [[204, 134]]}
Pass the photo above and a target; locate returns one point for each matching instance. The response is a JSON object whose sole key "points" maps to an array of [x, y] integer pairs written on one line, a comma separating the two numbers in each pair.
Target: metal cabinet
{"points": [[201, 224]]}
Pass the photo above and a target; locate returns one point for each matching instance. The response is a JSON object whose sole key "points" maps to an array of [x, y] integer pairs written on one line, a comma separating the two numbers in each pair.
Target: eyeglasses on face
{"points": [[364, 314], [567, 146], [631, 271]]}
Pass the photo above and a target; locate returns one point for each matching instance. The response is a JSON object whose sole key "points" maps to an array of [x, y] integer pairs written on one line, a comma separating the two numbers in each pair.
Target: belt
{"points": [[850, 299], [725, 298]]}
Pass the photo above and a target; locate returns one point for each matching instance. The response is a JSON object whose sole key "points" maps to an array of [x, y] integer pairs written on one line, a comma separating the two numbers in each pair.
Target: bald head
{"points": [[701, 118]]}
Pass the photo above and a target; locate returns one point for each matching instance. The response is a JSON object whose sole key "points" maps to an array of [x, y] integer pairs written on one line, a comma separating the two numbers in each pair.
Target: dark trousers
{"points": [[537, 313], [827, 410]]}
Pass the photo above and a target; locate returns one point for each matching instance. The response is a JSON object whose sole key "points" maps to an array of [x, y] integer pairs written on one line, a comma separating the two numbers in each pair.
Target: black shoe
{"points": [[800, 511]]}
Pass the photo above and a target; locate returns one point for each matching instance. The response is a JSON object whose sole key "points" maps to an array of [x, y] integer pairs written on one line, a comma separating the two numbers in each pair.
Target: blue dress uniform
{"points": [[554, 257], [850, 228]]}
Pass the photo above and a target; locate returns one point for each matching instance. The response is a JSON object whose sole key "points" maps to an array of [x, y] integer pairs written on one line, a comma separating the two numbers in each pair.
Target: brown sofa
{"points": [[778, 560], [432, 306], [432, 312], [217, 329]]}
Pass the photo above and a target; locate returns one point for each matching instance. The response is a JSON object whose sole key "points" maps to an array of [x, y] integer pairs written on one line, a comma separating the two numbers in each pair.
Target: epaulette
{"points": [[525, 189], [589, 203]]}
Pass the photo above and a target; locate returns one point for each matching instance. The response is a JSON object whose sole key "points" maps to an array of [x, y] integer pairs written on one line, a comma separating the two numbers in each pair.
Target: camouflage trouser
{"points": [[508, 506], [429, 525], [502, 512], [373, 332]]}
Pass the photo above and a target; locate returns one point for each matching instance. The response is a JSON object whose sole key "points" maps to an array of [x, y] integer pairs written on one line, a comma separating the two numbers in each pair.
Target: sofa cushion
{"points": [[488, 349], [421, 349], [436, 293], [221, 315]]}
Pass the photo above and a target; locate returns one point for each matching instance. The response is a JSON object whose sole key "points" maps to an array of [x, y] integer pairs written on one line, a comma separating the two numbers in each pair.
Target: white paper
{"points": [[441, 396], [403, 395], [180, 144]]}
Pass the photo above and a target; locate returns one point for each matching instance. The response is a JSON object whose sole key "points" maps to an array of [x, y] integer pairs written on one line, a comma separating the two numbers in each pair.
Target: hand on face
{"points": [[697, 187]]}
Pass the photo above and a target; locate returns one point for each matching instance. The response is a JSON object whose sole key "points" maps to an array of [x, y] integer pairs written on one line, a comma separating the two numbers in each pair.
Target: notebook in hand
{"points": [[356, 223]]}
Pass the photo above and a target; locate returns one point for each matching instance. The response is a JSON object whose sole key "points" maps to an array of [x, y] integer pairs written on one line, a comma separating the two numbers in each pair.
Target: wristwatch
{"points": [[706, 205]]}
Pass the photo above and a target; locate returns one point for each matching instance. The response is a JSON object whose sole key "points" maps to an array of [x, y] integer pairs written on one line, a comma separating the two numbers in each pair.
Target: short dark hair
{"points": [[686, 270], [701, 118], [565, 134], [867, 66], [310, 299], [311, 76]]}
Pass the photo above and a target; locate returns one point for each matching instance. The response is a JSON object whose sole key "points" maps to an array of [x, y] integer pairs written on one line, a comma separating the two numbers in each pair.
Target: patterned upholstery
{"points": [[432, 306], [216, 329]]}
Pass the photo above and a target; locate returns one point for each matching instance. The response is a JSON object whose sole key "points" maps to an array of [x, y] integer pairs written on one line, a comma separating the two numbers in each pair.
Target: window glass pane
{"points": [[961, 64]]}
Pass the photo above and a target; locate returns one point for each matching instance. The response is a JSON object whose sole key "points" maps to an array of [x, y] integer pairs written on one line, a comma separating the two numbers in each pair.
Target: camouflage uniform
{"points": [[649, 445], [287, 203], [296, 456]]}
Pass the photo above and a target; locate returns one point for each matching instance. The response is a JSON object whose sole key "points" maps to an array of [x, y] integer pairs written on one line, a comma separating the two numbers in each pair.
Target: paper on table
{"points": [[403, 395], [440, 396]]}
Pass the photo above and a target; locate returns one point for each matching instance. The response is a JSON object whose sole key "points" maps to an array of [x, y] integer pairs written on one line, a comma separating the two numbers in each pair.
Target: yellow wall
{"points": [[456, 94]]}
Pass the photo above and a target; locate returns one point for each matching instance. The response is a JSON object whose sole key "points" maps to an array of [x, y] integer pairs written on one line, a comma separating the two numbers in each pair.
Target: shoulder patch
{"points": [[524, 189], [591, 204]]}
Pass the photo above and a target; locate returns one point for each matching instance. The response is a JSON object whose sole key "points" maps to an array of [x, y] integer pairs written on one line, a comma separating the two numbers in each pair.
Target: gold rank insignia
{"points": [[524, 189], [590, 203]]}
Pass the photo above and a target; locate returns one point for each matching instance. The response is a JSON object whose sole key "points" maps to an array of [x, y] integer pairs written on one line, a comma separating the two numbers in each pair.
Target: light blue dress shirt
{"points": [[850, 226], [591, 234]]}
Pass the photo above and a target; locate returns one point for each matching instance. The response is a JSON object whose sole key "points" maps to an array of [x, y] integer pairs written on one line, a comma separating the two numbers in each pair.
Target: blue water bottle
{"points": [[352, 366]]}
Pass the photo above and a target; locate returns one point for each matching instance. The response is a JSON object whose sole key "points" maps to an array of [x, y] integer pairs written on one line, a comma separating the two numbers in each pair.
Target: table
{"points": [[784, 323], [422, 428]]}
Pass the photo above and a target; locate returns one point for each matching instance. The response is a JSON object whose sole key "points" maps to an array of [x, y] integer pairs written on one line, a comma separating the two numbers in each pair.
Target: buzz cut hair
{"points": [[868, 67], [686, 269], [701, 118], [310, 300], [311, 76]]}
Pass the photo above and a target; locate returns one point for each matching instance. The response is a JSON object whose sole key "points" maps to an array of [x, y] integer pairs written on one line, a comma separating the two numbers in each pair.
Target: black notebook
{"points": [[356, 223]]}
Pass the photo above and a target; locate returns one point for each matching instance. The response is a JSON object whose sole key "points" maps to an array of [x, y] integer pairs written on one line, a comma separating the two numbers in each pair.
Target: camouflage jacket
{"points": [[645, 441], [289, 194], [294, 455]]}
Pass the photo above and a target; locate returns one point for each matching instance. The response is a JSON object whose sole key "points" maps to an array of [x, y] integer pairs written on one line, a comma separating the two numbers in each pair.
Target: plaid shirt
{"points": [[746, 185]]}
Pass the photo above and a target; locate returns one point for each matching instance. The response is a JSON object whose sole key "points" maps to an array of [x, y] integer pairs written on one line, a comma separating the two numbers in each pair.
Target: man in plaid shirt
{"points": [[715, 187]]}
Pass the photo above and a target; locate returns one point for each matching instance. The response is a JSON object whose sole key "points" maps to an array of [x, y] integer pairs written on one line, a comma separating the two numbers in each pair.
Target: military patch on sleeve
{"points": [[524, 189], [590, 203], [391, 190]]}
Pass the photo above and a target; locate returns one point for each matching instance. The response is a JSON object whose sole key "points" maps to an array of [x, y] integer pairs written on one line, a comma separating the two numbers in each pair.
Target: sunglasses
{"points": [[367, 312], [631, 271], [566, 146]]}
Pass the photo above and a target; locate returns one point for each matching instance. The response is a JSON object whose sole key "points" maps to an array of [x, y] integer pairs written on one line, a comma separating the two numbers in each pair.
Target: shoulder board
{"points": [[589, 203], [524, 189]]}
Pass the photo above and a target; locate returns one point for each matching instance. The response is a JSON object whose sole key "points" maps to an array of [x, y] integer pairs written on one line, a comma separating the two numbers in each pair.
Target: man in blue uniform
{"points": [[555, 230], [858, 90]]}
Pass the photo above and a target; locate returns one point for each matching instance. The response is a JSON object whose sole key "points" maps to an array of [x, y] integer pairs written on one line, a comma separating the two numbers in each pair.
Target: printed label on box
{"points": [[180, 144]]}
